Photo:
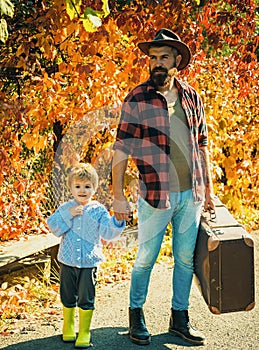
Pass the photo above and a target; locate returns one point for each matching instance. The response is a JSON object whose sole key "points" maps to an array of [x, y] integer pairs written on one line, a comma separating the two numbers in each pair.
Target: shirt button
{"points": [[79, 258], [78, 239], [78, 250]]}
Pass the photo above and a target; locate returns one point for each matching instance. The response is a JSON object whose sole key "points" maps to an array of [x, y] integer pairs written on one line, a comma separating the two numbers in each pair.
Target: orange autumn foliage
{"points": [[59, 68]]}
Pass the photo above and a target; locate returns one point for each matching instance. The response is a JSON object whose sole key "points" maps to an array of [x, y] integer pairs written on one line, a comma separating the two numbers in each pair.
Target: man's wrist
{"points": [[118, 196]]}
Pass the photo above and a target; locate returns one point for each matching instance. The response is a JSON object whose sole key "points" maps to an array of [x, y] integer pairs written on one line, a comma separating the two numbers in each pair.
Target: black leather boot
{"points": [[181, 326], [138, 330]]}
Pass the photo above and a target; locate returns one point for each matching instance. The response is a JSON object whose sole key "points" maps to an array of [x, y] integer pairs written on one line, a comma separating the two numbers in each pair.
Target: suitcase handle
{"points": [[213, 216]]}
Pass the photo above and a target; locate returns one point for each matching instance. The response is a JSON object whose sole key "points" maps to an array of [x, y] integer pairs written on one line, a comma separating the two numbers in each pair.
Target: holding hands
{"points": [[122, 210]]}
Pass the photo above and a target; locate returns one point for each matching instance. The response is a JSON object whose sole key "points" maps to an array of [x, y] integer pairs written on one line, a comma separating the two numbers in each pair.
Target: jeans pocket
{"points": [[145, 210]]}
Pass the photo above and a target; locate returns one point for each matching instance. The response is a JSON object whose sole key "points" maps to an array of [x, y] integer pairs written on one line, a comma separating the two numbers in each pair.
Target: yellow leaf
{"points": [[91, 23], [105, 8], [73, 8]]}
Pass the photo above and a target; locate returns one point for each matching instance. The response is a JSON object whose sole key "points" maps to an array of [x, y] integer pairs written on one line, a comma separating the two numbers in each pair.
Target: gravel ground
{"points": [[232, 331]]}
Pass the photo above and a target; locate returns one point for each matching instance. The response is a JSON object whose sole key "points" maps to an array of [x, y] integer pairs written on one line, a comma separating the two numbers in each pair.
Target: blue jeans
{"points": [[185, 217]]}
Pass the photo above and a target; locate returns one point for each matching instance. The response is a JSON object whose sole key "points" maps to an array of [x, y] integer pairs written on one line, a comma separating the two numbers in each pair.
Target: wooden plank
{"points": [[39, 262], [15, 250]]}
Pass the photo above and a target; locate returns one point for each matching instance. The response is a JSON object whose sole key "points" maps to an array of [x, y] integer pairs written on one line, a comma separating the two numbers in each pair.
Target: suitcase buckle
{"points": [[218, 231]]}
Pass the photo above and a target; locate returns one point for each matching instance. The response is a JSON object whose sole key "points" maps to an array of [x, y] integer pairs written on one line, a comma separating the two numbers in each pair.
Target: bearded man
{"points": [[163, 128]]}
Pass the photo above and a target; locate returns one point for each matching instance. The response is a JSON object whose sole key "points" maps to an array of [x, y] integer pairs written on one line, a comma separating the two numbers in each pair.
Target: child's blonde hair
{"points": [[83, 171]]}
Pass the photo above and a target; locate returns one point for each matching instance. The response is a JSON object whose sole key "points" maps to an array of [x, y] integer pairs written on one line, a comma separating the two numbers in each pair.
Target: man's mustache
{"points": [[159, 69]]}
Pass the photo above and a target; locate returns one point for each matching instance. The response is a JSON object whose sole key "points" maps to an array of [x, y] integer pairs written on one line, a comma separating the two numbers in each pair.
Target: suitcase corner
{"points": [[214, 310], [213, 243], [249, 241], [250, 306]]}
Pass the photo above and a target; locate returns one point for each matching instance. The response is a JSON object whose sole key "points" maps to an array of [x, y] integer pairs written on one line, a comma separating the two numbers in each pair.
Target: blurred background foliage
{"points": [[66, 67]]}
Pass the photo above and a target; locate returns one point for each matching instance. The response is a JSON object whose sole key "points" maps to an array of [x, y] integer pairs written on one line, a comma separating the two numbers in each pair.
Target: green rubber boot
{"points": [[83, 340], [68, 332]]}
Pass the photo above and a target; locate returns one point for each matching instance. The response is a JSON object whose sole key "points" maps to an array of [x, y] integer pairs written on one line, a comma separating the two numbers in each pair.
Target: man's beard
{"points": [[161, 78]]}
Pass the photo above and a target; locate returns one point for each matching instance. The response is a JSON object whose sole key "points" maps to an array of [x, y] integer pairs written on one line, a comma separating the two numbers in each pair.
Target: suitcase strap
{"points": [[217, 230]]}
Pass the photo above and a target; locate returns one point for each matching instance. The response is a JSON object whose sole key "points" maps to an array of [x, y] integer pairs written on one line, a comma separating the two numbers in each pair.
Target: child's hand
{"points": [[77, 210]]}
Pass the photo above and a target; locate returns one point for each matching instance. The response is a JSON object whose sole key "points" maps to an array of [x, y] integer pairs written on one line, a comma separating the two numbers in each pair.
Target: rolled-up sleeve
{"points": [[203, 130]]}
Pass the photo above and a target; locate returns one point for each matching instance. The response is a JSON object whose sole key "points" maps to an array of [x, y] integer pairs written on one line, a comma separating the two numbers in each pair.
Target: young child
{"points": [[81, 222]]}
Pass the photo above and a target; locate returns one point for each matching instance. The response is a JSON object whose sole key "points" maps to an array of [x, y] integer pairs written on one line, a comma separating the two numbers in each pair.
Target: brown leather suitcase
{"points": [[224, 262]]}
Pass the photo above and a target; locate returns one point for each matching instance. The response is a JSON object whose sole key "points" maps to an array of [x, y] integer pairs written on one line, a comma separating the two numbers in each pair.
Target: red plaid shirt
{"points": [[143, 133]]}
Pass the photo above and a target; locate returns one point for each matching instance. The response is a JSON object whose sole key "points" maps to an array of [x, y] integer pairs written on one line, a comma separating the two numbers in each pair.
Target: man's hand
{"points": [[121, 208], [209, 203]]}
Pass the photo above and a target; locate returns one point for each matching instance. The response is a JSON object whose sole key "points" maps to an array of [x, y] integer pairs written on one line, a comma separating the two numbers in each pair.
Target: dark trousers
{"points": [[77, 286]]}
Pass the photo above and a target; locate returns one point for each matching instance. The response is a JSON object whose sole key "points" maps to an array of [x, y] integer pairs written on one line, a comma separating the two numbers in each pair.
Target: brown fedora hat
{"points": [[168, 38]]}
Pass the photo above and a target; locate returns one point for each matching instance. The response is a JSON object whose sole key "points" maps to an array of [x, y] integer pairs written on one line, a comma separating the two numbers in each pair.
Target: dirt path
{"points": [[233, 331]]}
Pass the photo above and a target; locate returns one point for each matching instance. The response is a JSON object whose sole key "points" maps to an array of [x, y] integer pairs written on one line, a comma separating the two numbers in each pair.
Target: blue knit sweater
{"points": [[81, 235]]}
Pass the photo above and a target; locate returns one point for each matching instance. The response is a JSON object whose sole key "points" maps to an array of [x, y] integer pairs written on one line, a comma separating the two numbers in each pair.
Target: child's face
{"points": [[82, 190]]}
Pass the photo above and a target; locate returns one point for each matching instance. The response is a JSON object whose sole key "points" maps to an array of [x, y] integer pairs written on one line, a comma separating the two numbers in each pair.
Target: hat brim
{"points": [[182, 48]]}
